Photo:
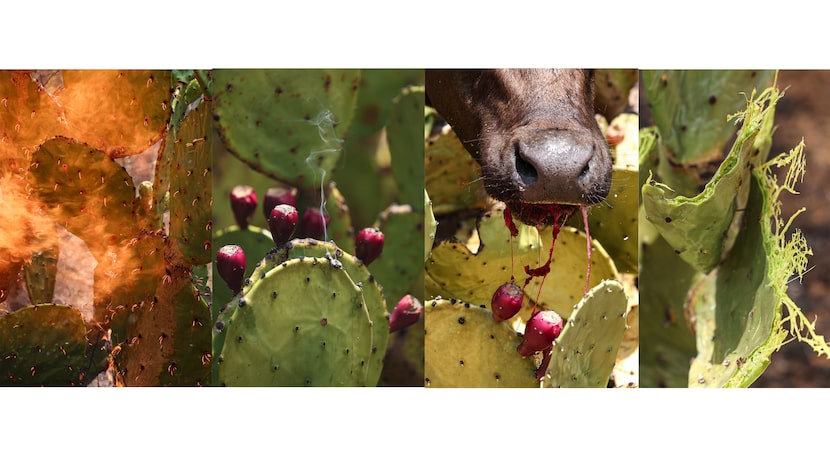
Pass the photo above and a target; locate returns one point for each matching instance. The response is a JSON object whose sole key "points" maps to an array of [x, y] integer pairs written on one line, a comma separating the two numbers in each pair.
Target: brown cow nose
{"points": [[561, 166]]}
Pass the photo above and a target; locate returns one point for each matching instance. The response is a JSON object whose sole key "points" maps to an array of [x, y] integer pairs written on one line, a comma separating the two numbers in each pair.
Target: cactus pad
{"points": [[85, 191], [119, 112], [399, 269], [191, 187], [286, 124], [473, 276], [452, 176], [406, 145], [42, 345], [690, 108], [465, 347], [166, 342], [699, 227], [306, 323], [586, 350]]}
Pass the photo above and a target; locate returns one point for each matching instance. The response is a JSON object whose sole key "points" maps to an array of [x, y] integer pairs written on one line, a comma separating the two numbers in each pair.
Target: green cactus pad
{"points": [[430, 226], [41, 273], [739, 311], [85, 191], [586, 350], [365, 150], [306, 323], [42, 345], [310, 248], [667, 341], [690, 108], [399, 268], [406, 145], [452, 177], [611, 90], [191, 187], [699, 227], [166, 342], [465, 347], [461, 273], [286, 124], [255, 242], [296, 249]]}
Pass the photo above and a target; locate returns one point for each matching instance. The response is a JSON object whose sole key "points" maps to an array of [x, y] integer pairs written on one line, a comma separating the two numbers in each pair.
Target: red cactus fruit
{"points": [[283, 223], [230, 262], [278, 196], [243, 204], [406, 312], [314, 223], [540, 332], [368, 244], [507, 301]]}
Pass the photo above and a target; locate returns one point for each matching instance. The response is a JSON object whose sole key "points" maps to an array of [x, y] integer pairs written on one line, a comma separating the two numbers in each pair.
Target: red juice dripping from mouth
{"points": [[539, 214], [514, 231]]}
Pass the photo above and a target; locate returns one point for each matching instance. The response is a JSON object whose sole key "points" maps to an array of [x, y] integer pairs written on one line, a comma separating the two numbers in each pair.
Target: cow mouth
{"points": [[541, 214]]}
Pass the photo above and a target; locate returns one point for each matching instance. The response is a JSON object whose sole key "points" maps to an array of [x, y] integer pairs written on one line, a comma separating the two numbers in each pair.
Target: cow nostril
{"points": [[587, 167], [527, 173]]}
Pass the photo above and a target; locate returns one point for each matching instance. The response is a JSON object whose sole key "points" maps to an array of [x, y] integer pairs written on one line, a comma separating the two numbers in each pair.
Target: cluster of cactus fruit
{"points": [[231, 264], [713, 247], [299, 306], [565, 324]]}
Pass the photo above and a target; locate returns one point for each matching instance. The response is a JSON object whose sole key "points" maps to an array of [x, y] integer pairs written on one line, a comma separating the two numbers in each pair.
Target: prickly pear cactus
{"points": [[689, 108], [729, 250], [335, 336], [473, 254], [586, 350], [43, 344], [288, 125], [345, 145], [71, 164]]}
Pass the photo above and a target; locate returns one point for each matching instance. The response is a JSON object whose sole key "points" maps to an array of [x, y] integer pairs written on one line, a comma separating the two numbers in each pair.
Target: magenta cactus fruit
{"points": [[368, 244], [406, 312], [243, 204], [278, 195], [283, 222], [507, 301], [314, 223], [540, 332], [230, 262]]}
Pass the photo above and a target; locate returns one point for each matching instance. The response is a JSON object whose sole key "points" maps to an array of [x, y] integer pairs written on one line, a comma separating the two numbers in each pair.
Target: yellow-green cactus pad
{"points": [[452, 177], [586, 350], [465, 347]]}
